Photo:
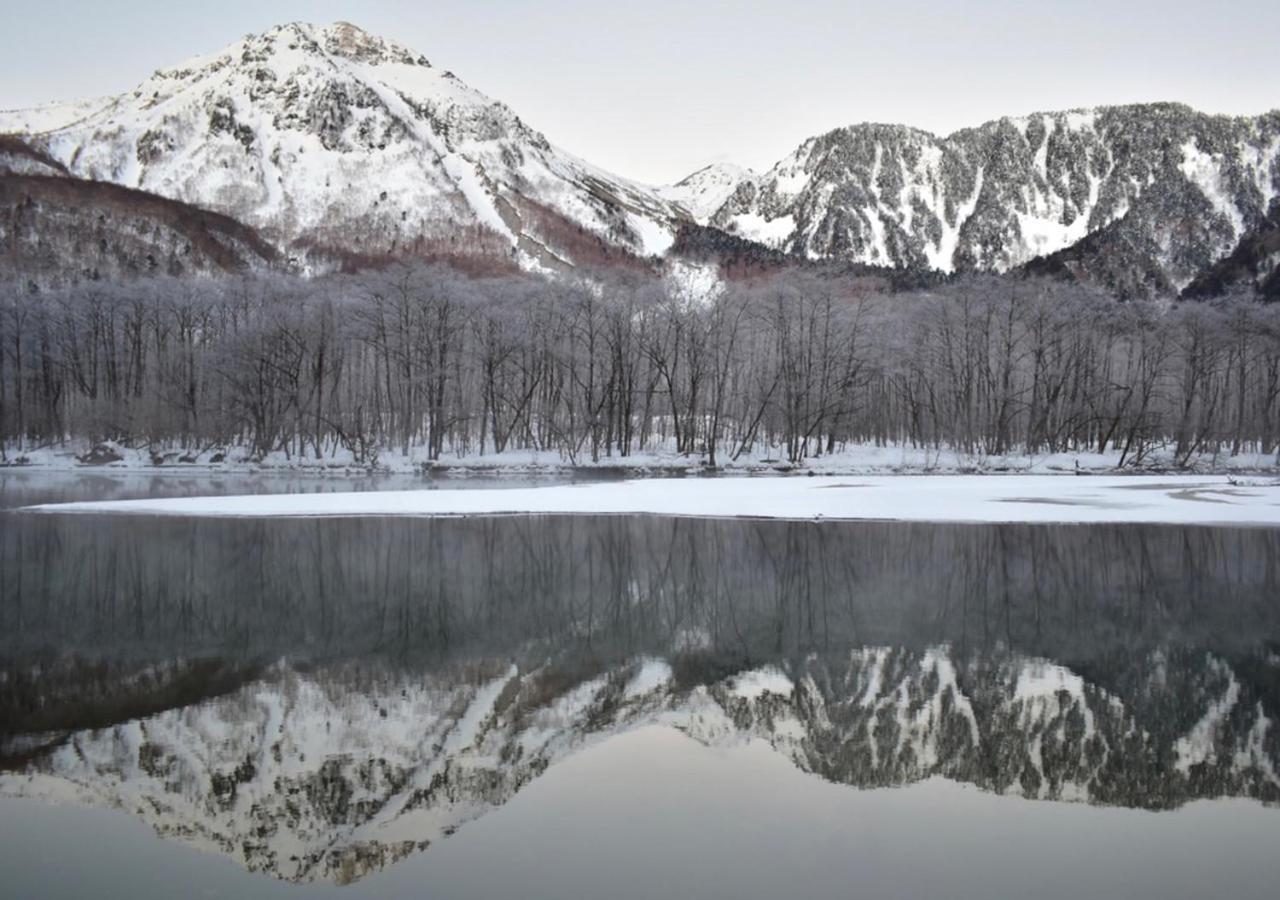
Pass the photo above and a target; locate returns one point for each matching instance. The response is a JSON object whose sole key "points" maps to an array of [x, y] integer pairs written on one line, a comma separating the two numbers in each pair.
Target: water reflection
{"points": [[319, 698], [24, 487]]}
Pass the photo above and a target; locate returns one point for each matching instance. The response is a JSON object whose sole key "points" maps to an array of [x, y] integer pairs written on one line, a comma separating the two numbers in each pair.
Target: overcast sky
{"points": [[656, 89]]}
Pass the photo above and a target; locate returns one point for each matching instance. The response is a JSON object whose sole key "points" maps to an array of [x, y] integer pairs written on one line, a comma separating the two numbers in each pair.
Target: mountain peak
{"points": [[703, 192], [341, 39], [294, 45], [717, 171], [328, 136]]}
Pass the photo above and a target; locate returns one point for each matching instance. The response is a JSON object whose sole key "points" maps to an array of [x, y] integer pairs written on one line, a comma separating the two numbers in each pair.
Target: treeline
{"points": [[425, 359]]}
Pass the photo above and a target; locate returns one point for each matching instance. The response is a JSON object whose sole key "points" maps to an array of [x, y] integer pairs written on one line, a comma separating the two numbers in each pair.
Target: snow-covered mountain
{"points": [[1176, 188], [331, 774], [333, 140], [331, 137]]}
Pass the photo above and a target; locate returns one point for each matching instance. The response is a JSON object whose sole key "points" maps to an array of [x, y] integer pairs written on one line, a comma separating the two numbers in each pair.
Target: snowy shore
{"points": [[857, 459], [1179, 499]]}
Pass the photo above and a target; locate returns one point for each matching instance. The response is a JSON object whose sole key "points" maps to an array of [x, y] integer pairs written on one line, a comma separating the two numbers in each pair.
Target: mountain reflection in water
{"points": [[320, 698]]}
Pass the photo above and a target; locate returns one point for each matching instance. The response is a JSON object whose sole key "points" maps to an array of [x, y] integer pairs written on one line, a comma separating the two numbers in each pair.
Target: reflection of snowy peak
{"points": [[336, 774], [1036, 729], [333, 137], [1179, 189]]}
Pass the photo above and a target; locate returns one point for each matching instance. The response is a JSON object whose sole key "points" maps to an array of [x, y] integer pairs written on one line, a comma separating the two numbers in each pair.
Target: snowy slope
{"points": [[51, 116], [332, 137]]}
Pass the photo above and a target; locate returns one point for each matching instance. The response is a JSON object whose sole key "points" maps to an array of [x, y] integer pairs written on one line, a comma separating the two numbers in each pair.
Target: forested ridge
{"points": [[425, 359]]}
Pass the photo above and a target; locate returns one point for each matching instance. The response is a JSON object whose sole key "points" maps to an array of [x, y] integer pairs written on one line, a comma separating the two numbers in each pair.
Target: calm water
{"points": [[630, 707]]}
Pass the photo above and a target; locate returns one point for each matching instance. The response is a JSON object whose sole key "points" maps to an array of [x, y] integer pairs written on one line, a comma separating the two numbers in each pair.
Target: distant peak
{"points": [[716, 171]]}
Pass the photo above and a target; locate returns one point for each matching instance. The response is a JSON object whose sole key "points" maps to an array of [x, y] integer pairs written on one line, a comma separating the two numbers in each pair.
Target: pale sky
{"points": [[653, 90]]}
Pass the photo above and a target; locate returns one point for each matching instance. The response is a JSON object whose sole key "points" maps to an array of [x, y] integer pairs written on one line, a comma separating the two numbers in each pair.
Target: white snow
{"points": [[1253, 753], [652, 674], [754, 684], [1081, 119], [942, 257], [875, 673], [1045, 692], [50, 116], [939, 659], [877, 250], [463, 172], [942, 498], [1205, 171], [467, 730], [655, 238], [1042, 228], [1040, 679], [770, 232], [1199, 745], [789, 181]]}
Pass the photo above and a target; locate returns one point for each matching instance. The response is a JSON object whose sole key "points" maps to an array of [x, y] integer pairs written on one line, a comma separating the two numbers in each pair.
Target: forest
{"points": [[610, 363]]}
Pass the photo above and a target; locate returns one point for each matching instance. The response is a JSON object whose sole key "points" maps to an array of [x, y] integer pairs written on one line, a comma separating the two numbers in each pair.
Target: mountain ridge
{"points": [[995, 196], [329, 140]]}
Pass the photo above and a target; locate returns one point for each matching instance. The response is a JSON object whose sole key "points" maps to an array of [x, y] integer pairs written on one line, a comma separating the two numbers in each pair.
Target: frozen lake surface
{"points": [[941, 498]]}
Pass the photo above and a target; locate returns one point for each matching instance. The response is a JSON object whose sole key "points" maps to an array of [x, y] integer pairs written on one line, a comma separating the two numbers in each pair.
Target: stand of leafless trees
{"points": [[424, 359]]}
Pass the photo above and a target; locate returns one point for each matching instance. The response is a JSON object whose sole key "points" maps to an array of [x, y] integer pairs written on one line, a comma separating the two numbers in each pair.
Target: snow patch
{"points": [[1199, 745], [942, 257], [1204, 170], [652, 675], [755, 684], [1041, 679], [770, 232], [656, 238]]}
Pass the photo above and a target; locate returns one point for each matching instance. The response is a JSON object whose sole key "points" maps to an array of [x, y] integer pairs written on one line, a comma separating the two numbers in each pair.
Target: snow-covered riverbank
{"points": [[855, 459], [942, 498]]}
